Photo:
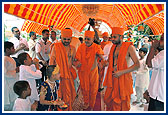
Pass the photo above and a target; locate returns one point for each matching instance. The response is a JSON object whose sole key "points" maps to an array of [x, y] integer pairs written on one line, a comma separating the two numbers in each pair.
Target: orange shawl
{"points": [[86, 55], [67, 89], [121, 87]]}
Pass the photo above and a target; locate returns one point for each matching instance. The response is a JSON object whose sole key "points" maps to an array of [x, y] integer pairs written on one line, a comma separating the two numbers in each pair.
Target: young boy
{"points": [[29, 71], [142, 77], [10, 76], [49, 90], [22, 103]]}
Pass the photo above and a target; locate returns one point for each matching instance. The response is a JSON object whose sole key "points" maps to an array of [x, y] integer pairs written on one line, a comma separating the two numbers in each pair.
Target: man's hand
{"points": [[100, 65], [34, 106], [117, 73], [35, 61], [60, 103], [77, 64], [44, 62], [22, 46]]}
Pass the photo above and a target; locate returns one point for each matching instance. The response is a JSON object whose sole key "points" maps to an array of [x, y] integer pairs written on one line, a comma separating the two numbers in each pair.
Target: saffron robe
{"points": [[66, 88], [89, 79], [119, 90]]}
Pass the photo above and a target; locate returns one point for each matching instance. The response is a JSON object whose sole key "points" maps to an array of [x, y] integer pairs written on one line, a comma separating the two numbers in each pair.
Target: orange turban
{"points": [[105, 34], [89, 34], [118, 30], [66, 33]]}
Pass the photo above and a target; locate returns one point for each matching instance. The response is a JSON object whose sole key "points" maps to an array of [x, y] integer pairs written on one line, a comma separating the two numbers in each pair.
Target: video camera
{"points": [[91, 21]]}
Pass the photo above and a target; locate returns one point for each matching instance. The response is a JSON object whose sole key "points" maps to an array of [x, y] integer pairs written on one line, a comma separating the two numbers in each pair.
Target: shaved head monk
{"points": [[118, 78], [63, 54], [87, 54]]}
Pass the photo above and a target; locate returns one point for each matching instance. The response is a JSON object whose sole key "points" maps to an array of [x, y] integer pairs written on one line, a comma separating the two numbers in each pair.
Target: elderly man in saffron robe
{"points": [[118, 79], [87, 55]]}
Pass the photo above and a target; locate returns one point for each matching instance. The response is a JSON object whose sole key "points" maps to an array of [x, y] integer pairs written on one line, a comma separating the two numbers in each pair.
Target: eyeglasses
{"points": [[17, 31]]}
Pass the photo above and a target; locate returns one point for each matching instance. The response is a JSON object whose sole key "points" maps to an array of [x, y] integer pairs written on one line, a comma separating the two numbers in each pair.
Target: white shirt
{"points": [[156, 85], [106, 51], [31, 44], [142, 76], [16, 43], [29, 73], [43, 49], [10, 77], [55, 41], [22, 105]]}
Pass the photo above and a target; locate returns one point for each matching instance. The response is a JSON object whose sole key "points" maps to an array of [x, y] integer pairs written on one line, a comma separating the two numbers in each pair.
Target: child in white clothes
{"points": [[22, 103], [29, 71], [10, 76], [142, 77]]}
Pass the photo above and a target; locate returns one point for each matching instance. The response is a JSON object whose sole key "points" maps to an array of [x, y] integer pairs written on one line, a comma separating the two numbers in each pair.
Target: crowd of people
{"points": [[67, 74]]}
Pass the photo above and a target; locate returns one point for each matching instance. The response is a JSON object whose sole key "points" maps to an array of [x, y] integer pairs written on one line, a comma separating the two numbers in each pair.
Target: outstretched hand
{"points": [[77, 64]]}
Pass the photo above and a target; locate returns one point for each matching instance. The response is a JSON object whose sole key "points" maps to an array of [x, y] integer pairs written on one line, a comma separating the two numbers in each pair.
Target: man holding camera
{"points": [[96, 36], [87, 55]]}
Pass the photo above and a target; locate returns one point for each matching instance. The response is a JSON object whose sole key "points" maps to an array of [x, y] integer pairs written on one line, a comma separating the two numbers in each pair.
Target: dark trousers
{"points": [[44, 77], [155, 105]]}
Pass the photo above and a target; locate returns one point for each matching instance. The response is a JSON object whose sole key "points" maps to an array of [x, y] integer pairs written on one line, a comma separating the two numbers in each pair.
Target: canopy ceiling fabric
{"points": [[29, 26], [76, 15]]}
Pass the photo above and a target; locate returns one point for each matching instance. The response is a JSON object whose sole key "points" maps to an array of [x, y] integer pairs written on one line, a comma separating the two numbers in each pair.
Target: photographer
{"points": [[92, 24]]}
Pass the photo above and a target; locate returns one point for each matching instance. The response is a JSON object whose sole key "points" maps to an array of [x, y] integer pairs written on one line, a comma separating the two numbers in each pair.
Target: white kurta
{"points": [[156, 85], [10, 77], [32, 44], [29, 73], [22, 104], [106, 51], [142, 76]]}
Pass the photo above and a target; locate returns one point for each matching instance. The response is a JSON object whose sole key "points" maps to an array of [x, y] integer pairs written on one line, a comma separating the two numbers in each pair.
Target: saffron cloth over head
{"points": [[89, 34], [105, 34], [118, 30], [66, 33]]}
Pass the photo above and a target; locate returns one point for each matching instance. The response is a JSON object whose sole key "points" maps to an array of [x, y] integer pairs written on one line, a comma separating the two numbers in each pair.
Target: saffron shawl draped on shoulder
{"points": [[67, 89], [119, 88]]}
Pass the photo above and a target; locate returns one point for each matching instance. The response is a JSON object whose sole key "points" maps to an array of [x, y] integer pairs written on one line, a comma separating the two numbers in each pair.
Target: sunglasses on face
{"points": [[17, 31]]}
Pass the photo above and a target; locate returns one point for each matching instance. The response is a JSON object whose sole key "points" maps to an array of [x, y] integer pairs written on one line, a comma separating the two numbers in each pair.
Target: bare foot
{"points": [[135, 102], [142, 105]]}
